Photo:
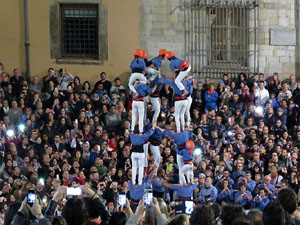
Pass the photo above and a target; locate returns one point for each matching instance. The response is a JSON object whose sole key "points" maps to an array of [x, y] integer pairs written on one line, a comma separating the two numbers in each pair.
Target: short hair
{"points": [[274, 214], [230, 213], [242, 221], [95, 209], [181, 219], [255, 215], [202, 215], [288, 199], [118, 218], [75, 212]]}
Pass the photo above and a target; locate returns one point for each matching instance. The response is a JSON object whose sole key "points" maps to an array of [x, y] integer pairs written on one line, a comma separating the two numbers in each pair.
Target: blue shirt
{"points": [[137, 192], [175, 63], [157, 134], [251, 186], [184, 191], [157, 185], [188, 85], [186, 154], [157, 61], [180, 138], [143, 90], [243, 201], [172, 85], [227, 195], [155, 82], [235, 176], [208, 194], [260, 204], [137, 63], [140, 139]]}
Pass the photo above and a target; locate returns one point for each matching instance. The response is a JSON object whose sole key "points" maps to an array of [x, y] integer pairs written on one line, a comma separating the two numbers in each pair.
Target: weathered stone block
{"points": [[280, 52], [157, 25], [266, 52], [284, 59], [273, 21], [172, 18], [169, 32], [283, 21]]}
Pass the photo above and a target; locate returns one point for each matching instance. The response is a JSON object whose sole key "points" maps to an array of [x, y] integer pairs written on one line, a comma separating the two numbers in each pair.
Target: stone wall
{"points": [[281, 59], [162, 26]]}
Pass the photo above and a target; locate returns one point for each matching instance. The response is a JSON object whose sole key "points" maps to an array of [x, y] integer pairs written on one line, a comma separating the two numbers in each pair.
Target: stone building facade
{"points": [[162, 26]]}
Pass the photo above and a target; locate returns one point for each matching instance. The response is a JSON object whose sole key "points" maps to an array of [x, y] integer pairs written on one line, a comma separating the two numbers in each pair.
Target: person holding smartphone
{"points": [[261, 200]]}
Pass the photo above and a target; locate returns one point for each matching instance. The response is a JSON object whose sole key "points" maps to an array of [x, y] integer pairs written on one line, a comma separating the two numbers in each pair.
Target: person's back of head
{"points": [[274, 214], [202, 215], [11, 212], [217, 209], [181, 219], [230, 213], [242, 221], [75, 212], [288, 199], [59, 220], [255, 215], [118, 218], [95, 209]]}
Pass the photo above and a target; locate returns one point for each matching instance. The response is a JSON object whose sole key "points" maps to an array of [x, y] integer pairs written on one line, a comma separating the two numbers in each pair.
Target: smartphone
{"points": [[31, 197], [58, 213], [74, 191], [179, 207], [188, 207], [122, 199], [148, 197]]}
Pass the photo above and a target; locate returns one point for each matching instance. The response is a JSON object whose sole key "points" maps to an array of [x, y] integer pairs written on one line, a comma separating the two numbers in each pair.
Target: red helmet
{"points": [[162, 52], [169, 54], [190, 145], [144, 55], [139, 53]]}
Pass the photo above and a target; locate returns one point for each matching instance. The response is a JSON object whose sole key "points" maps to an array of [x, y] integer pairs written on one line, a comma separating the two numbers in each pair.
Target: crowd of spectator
{"points": [[58, 132]]}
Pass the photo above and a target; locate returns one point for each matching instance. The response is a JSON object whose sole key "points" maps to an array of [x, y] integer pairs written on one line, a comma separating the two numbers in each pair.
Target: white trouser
{"points": [[156, 105], [180, 77], [133, 78], [180, 164], [187, 111], [137, 159], [145, 147], [153, 73], [138, 112], [187, 170], [180, 107], [155, 150]]}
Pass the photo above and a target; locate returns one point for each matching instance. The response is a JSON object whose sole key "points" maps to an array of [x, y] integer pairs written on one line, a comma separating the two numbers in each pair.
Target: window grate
{"points": [[79, 31], [221, 37]]}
